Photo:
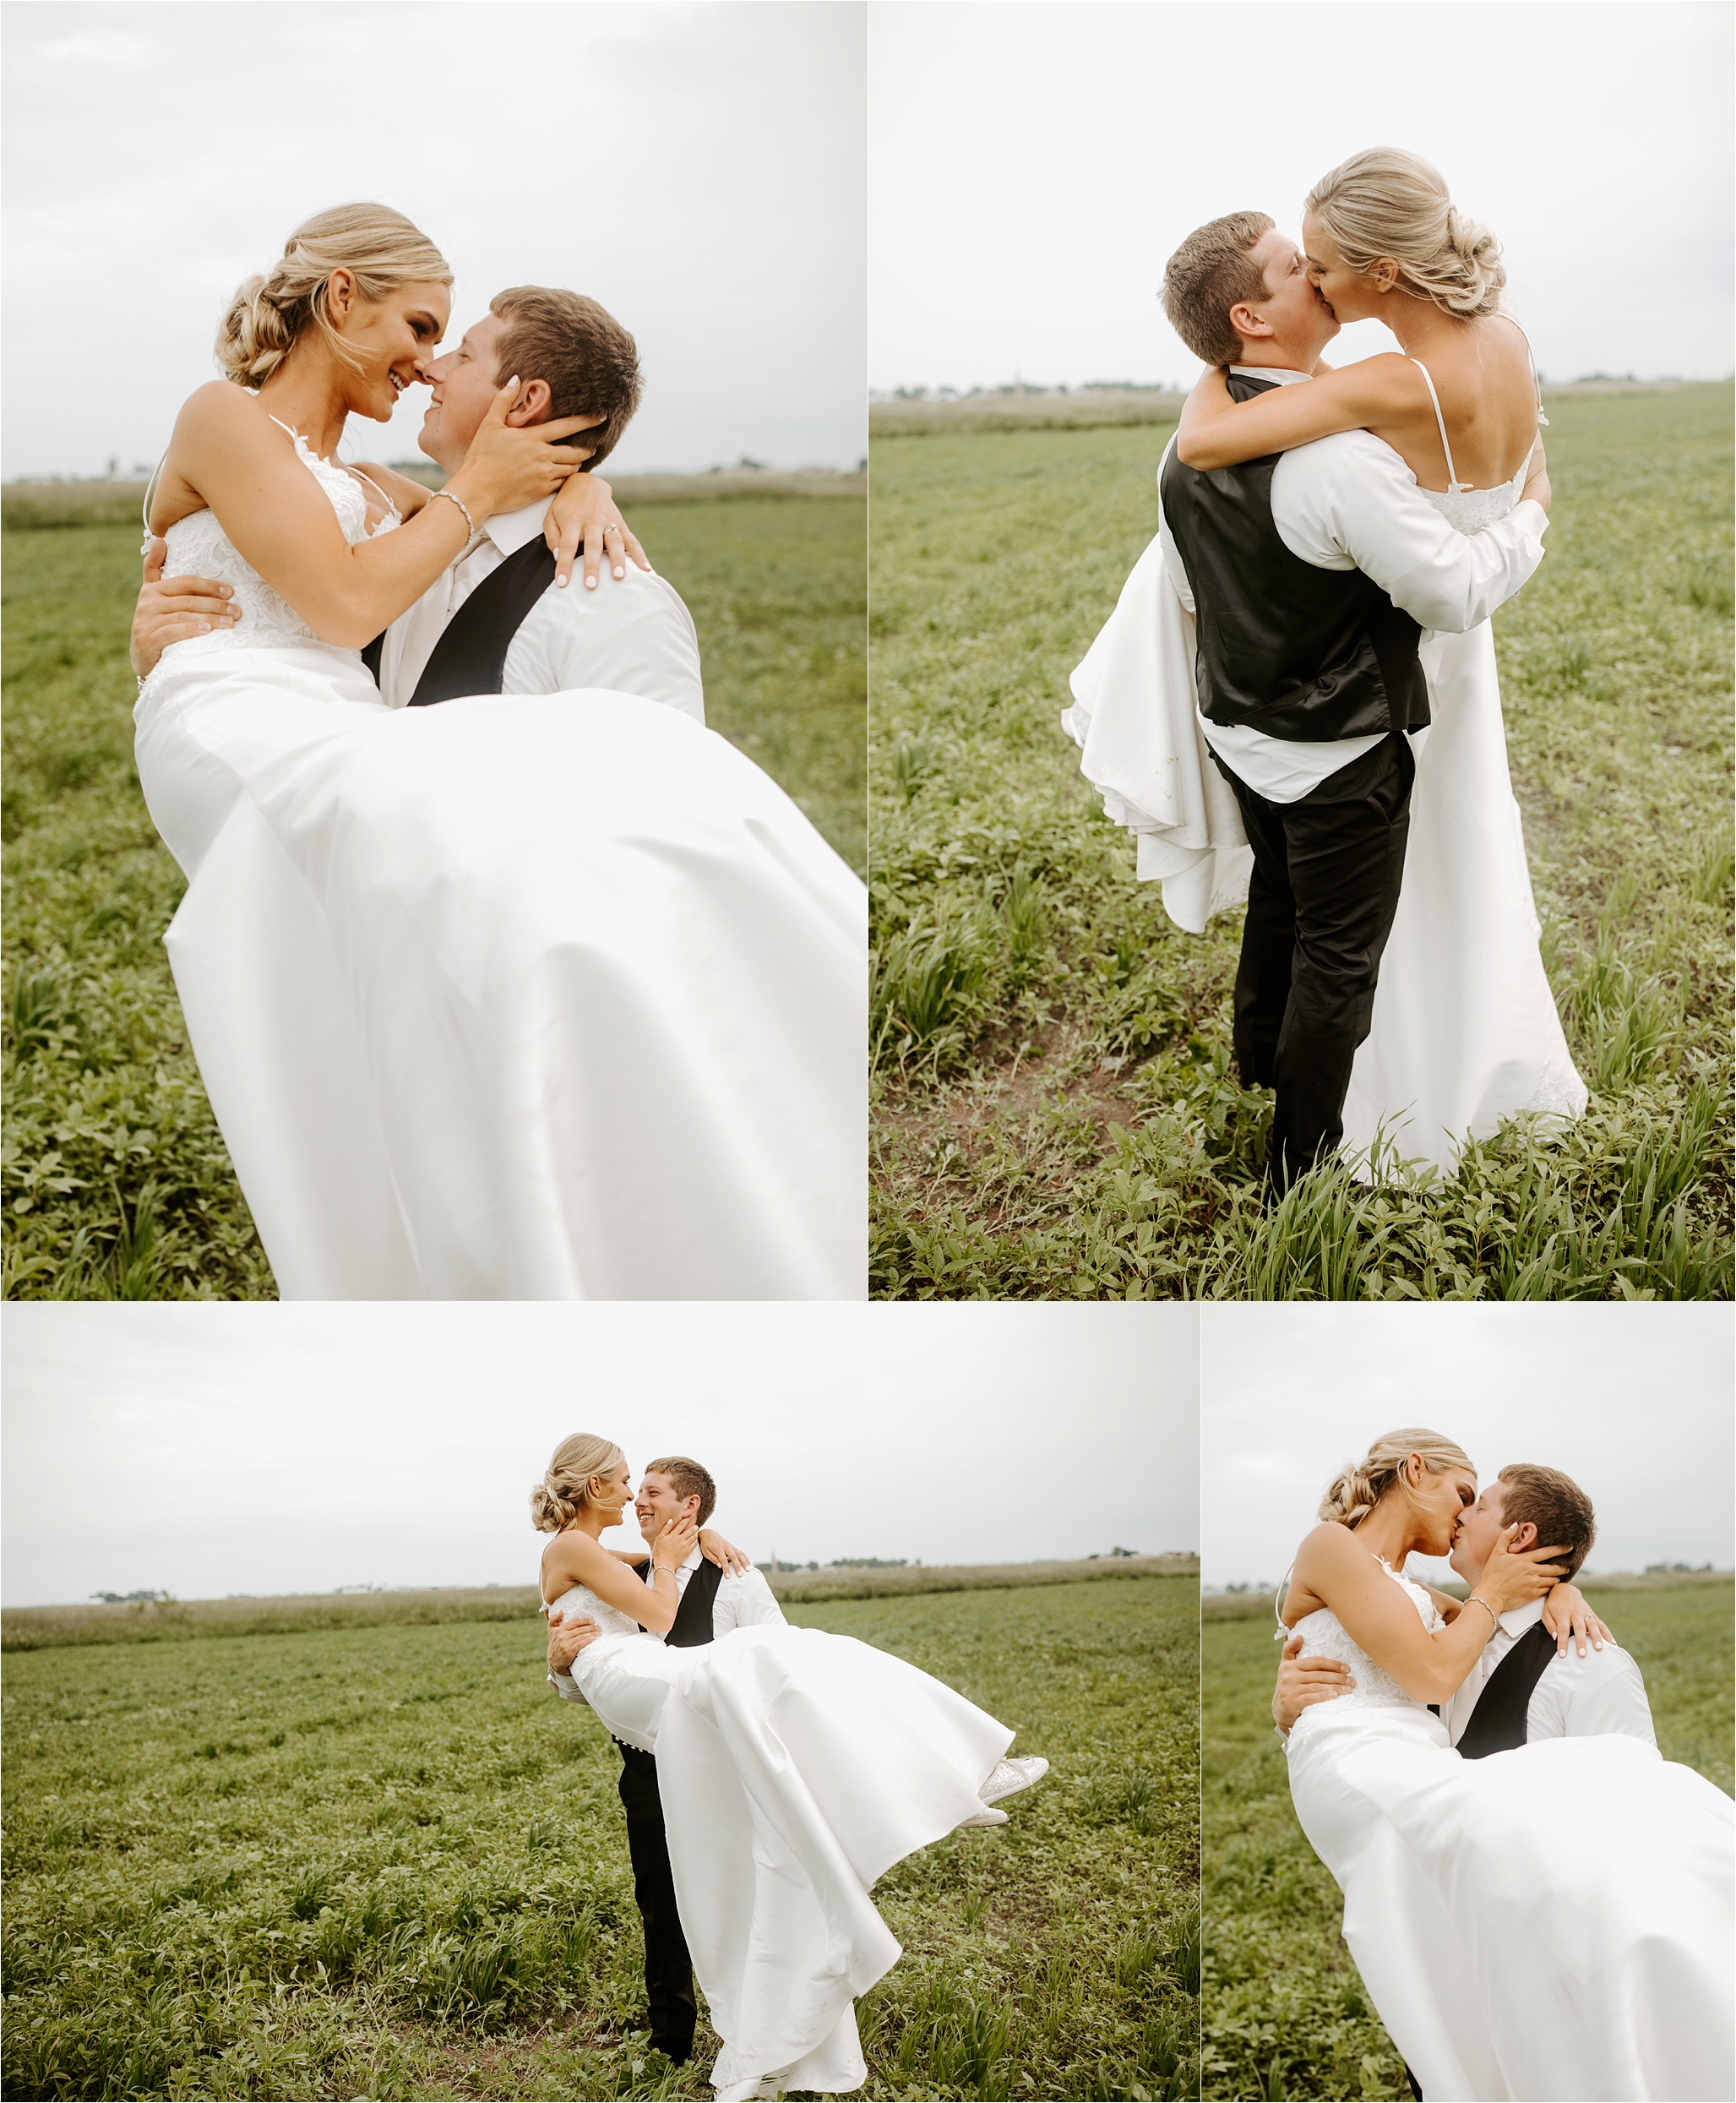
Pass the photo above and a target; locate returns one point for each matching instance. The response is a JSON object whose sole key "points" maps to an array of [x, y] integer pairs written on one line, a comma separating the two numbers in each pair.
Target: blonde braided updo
{"points": [[561, 1495], [1387, 202], [1354, 1492], [379, 248]]}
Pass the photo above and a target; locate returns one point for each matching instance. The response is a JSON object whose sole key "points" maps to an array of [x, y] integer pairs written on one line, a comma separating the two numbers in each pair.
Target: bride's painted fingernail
{"points": [[563, 582], [619, 571], [591, 584]]}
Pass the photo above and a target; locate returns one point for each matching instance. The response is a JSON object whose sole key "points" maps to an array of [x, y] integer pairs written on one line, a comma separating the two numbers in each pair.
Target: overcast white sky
{"points": [[206, 1450], [698, 168], [1633, 1402], [1034, 166]]}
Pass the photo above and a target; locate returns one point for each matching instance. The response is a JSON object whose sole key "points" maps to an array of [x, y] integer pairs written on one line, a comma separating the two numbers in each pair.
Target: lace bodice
{"points": [[1473, 510], [1324, 1636], [199, 548], [580, 1599]]}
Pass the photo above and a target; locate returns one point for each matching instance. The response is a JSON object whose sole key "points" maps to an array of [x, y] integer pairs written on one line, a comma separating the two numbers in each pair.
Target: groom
{"points": [[496, 621], [1519, 1690], [710, 1604], [1313, 575]]}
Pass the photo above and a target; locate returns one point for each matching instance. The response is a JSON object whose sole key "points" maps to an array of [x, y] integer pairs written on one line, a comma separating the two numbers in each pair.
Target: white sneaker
{"points": [[1010, 1776]]}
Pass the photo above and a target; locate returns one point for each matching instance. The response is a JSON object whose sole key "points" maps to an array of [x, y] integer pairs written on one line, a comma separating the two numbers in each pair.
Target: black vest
{"points": [[1284, 647], [692, 1617], [470, 656], [1497, 1723]]}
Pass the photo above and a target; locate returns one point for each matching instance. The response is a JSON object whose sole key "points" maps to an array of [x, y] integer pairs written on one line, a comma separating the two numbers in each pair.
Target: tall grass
{"points": [[117, 1184], [1056, 1115], [385, 1861]]}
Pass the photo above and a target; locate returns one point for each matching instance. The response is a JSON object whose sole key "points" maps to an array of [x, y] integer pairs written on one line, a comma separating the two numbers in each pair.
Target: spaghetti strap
{"points": [[1278, 1598], [145, 509], [1452, 473]]}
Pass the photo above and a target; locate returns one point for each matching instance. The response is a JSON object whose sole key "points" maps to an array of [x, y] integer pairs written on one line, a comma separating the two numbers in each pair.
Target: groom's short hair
{"points": [[589, 361], [1211, 272], [1554, 1504], [688, 1479]]}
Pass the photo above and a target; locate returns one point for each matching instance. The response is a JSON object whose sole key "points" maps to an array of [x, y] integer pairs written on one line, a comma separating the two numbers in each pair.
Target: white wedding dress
{"points": [[1553, 1922], [520, 997], [1464, 1031], [795, 1767]]}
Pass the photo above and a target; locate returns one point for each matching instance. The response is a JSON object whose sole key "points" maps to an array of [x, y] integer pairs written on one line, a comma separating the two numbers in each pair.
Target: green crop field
{"points": [[1055, 1113], [1285, 2012], [117, 1184], [386, 1861]]}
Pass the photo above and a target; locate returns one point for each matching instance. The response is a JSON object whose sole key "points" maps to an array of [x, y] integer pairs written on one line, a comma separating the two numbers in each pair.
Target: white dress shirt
{"points": [[1349, 502], [742, 1600], [1576, 1698], [633, 634]]}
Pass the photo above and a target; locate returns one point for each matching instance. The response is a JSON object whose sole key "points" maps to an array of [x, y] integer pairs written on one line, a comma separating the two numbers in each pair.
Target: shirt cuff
{"points": [[1538, 525]]}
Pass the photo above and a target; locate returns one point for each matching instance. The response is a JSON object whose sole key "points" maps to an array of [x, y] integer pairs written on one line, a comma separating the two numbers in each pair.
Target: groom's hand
{"points": [[170, 613], [566, 1639], [1303, 1681]]}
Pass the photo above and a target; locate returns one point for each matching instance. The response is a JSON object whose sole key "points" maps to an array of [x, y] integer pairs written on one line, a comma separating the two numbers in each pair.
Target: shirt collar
{"points": [[511, 530], [1517, 1619], [1281, 373]]}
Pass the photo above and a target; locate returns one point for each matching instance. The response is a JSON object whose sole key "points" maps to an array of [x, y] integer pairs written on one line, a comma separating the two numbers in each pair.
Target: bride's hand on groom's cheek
{"points": [[675, 1544], [1513, 1577]]}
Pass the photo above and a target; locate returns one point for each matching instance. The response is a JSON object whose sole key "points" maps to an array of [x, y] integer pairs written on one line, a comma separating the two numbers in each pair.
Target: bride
{"points": [[1549, 1922], [550, 996], [795, 1767], [1465, 1032]]}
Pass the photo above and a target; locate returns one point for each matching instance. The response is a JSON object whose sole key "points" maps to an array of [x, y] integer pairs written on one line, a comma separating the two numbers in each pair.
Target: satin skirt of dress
{"points": [[795, 1768], [1552, 1923], [530, 997], [1464, 1031]]}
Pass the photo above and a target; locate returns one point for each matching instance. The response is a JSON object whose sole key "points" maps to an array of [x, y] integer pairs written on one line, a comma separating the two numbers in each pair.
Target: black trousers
{"points": [[668, 1969], [1321, 905]]}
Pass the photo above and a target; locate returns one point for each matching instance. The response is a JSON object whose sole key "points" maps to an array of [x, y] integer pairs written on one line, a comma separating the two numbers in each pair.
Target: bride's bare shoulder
{"points": [[220, 407], [1327, 1546]]}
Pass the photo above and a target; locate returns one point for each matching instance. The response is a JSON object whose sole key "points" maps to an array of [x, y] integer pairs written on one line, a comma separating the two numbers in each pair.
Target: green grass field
{"points": [[386, 1861], [1285, 2012], [117, 1184], [1056, 1116]]}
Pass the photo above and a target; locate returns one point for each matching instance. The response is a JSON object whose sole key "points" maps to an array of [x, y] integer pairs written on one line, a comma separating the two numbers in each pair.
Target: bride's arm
{"points": [[1377, 1614], [226, 450], [1217, 432], [575, 1558]]}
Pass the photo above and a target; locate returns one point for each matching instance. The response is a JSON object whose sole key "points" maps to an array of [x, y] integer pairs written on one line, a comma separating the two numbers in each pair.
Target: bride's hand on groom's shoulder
{"points": [[170, 613], [1569, 1619], [584, 514], [728, 1558]]}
